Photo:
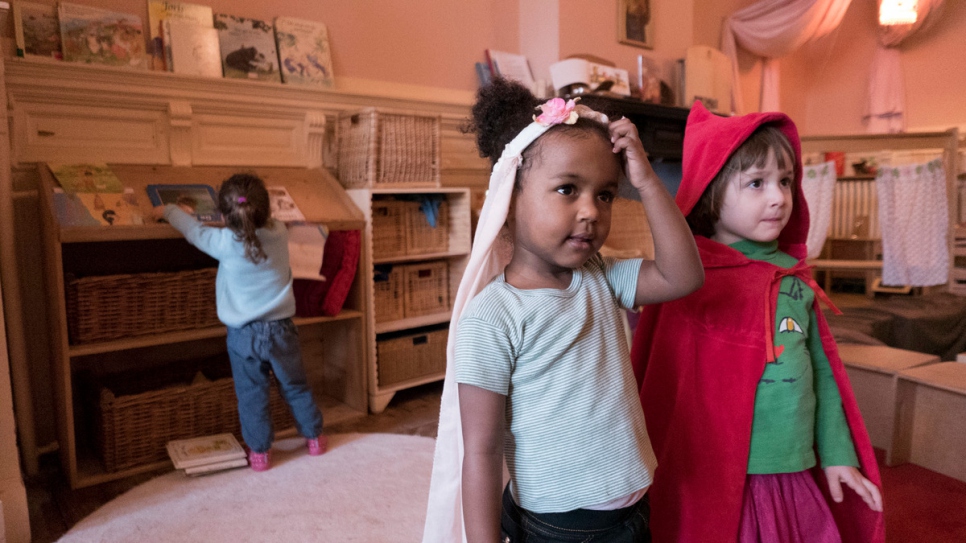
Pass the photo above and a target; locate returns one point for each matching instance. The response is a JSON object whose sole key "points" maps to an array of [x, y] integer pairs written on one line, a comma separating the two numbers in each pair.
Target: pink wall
{"points": [[419, 42], [589, 26], [933, 63]]}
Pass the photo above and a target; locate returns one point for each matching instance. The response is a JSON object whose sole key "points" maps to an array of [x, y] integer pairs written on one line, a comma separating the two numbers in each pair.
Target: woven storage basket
{"points": [[421, 238], [389, 228], [426, 288], [114, 306], [383, 148], [387, 287], [411, 357], [133, 430]]}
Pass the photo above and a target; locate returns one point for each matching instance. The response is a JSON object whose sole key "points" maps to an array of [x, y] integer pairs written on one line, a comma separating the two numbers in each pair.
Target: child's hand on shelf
{"points": [[851, 476], [158, 213]]}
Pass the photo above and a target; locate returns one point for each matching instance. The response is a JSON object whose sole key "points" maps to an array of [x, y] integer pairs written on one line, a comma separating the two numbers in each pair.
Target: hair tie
{"points": [[241, 200]]}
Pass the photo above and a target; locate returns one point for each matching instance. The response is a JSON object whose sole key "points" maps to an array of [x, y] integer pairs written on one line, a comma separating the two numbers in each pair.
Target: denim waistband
{"points": [[578, 519]]}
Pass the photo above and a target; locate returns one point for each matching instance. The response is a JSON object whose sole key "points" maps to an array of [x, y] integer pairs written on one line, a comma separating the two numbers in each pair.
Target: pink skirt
{"points": [[785, 508]]}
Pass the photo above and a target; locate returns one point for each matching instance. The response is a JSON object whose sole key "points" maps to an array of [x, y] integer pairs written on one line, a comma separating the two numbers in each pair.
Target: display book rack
{"points": [[334, 348], [413, 273]]}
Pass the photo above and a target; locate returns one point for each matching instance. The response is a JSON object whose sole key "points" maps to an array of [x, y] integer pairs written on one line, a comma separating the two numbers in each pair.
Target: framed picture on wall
{"points": [[634, 23]]}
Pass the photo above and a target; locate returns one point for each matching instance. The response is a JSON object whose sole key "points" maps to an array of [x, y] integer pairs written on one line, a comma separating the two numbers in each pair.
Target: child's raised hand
{"points": [[851, 476], [158, 213], [624, 137]]}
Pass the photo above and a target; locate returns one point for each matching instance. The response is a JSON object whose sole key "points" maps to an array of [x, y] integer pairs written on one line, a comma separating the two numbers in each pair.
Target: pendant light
{"points": [[897, 12]]}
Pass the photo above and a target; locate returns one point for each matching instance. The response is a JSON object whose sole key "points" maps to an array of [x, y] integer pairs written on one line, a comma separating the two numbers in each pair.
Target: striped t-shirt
{"points": [[575, 429]]}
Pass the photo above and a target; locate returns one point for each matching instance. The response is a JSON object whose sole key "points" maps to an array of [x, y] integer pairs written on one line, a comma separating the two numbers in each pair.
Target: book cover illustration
{"points": [[200, 451], [92, 195], [36, 30], [158, 11], [247, 48], [283, 206], [303, 52], [191, 49], [197, 200], [101, 36]]}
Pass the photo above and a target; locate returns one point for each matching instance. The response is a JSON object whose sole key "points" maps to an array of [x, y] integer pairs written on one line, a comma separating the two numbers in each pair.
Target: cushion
{"points": [[339, 265]]}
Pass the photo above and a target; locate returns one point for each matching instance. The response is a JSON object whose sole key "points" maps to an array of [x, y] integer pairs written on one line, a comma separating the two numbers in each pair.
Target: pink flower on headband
{"points": [[556, 111]]}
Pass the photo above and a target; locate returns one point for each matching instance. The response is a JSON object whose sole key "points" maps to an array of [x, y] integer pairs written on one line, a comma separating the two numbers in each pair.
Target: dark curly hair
{"points": [[504, 108], [243, 200]]}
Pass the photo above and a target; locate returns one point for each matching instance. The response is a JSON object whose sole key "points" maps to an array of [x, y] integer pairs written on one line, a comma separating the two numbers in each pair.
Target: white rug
{"points": [[366, 488]]}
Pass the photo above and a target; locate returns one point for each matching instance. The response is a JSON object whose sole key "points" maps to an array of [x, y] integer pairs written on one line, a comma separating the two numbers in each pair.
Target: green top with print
{"points": [[798, 409]]}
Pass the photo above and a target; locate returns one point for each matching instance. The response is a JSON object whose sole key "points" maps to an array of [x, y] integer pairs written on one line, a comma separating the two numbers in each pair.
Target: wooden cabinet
{"points": [[424, 327], [334, 348]]}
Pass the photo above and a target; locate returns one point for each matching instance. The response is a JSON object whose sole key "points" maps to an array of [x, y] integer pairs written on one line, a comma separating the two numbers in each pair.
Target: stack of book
{"points": [[207, 454]]}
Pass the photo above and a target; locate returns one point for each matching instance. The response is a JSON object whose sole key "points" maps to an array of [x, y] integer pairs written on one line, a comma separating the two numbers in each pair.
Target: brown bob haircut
{"points": [[753, 152]]}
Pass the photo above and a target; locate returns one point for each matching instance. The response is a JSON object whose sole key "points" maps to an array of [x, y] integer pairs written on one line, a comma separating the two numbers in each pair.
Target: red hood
{"points": [[710, 139]]}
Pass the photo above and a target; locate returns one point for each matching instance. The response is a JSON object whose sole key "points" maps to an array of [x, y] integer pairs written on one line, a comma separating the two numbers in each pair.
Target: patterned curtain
{"points": [[913, 215]]}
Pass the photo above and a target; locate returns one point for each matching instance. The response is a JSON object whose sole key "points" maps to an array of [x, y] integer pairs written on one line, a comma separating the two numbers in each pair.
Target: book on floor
{"points": [[216, 466], [218, 451]]}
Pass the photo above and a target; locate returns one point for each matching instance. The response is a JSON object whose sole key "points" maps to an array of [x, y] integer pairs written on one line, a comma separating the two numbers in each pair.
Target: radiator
{"points": [[854, 211]]}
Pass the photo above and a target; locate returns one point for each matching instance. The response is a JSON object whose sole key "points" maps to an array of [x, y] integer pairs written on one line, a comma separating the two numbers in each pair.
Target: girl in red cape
{"points": [[757, 433]]}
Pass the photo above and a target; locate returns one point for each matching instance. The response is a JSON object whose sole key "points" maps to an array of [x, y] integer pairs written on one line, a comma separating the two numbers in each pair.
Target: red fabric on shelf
{"points": [[339, 265]]}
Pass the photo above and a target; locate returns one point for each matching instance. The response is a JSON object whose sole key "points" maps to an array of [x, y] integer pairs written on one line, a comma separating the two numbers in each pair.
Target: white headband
{"points": [[444, 516]]}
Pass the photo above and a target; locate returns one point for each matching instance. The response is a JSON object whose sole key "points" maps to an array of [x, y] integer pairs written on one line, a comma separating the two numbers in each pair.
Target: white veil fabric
{"points": [[491, 253]]}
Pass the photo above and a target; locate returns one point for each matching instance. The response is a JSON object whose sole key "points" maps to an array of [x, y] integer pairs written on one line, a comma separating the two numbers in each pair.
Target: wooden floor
{"points": [[54, 507]]}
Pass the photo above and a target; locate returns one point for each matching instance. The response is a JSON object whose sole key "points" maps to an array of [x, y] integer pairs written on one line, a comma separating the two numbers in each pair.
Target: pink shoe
{"points": [[260, 461], [317, 445]]}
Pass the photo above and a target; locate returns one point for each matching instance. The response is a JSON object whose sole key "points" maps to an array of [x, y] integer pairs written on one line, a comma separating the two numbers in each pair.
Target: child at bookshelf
{"points": [[253, 290], [538, 372], [743, 390]]}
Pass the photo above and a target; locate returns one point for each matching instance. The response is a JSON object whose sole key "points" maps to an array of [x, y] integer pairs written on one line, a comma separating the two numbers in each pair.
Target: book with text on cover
{"points": [[303, 52], [198, 200], [160, 10], [205, 450]]}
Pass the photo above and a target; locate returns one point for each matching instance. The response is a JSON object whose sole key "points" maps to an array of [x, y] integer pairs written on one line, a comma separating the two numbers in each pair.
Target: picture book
{"points": [[303, 52], [101, 36], [511, 66], [306, 248], [200, 451], [91, 195], [198, 200], [283, 206], [36, 30], [160, 10], [247, 48], [217, 466], [191, 49]]}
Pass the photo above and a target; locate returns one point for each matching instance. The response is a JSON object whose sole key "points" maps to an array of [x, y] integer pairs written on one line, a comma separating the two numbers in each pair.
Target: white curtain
{"points": [[913, 215], [818, 184], [885, 109], [774, 28]]}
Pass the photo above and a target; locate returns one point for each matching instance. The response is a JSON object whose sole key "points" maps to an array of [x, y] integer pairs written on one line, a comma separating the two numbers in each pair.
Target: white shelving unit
{"points": [[456, 256]]}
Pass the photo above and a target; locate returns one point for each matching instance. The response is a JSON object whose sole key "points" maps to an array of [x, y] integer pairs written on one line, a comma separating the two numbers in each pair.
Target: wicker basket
{"points": [[384, 148], [389, 228], [411, 357], [421, 238], [114, 306], [387, 287], [426, 288], [132, 430]]}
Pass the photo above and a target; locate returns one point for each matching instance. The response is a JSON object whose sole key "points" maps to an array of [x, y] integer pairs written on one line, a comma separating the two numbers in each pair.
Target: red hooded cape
{"points": [[698, 361]]}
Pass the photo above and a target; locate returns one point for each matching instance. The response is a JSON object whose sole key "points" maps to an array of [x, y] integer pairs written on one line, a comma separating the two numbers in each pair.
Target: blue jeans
{"points": [[254, 350], [627, 525]]}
